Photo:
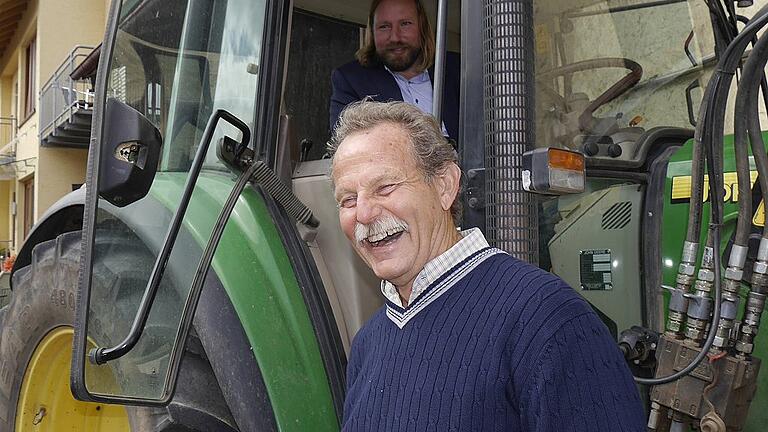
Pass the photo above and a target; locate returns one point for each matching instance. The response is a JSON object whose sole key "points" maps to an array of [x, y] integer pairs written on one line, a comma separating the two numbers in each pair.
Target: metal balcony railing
{"points": [[7, 130], [61, 96], [8, 141]]}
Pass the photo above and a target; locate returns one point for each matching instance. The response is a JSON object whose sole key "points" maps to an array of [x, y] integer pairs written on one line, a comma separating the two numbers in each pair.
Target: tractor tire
{"points": [[36, 331]]}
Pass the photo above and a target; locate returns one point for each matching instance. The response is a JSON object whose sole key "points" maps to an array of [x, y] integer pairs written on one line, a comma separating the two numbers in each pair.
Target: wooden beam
{"points": [[6, 36], [14, 10], [8, 3], [8, 27], [11, 12], [7, 23], [11, 19]]}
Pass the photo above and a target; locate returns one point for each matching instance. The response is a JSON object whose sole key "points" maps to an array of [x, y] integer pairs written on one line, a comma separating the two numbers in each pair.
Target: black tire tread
{"points": [[44, 298]]}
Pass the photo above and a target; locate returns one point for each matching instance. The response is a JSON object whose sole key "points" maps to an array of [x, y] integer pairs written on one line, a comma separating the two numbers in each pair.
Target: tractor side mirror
{"points": [[129, 154]]}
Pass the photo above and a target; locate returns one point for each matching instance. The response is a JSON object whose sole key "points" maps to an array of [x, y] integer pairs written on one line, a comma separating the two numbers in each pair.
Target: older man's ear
{"points": [[447, 183]]}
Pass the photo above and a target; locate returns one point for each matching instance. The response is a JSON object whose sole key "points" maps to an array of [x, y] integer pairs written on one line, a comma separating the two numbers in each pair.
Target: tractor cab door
{"points": [[175, 79]]}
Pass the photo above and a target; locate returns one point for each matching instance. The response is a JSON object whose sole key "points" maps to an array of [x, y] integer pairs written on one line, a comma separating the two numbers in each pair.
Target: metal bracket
{"points": [[476, 188]]}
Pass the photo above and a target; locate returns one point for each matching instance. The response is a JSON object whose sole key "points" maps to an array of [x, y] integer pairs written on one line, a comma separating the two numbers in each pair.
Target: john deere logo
{"points": [[681, 191], [681, 187]]}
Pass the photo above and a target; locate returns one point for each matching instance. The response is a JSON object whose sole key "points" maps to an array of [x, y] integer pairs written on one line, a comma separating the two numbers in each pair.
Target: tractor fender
{"points": [[63, 216]]}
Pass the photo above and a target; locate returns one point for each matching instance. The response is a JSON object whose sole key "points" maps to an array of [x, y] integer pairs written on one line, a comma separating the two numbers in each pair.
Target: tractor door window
{"points": [[611, 70], [175, 63]]}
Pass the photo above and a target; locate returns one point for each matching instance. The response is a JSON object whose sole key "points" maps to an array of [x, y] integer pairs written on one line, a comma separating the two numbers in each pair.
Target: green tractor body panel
{"points": [[253, 266], [675, 219]]}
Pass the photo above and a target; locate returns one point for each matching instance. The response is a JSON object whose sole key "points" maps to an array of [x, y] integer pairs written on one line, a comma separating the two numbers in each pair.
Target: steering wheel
{"points": [[586, 118]]}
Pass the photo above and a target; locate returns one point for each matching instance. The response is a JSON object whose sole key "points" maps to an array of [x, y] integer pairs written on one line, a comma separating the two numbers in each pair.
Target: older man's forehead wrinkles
{"points": [[344, 188]]}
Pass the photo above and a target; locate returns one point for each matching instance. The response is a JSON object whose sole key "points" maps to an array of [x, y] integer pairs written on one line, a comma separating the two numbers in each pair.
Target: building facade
{"points": [[44, 111]]}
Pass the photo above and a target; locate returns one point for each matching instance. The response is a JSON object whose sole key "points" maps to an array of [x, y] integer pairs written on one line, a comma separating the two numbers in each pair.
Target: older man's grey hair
{"points": [[432, 151]]}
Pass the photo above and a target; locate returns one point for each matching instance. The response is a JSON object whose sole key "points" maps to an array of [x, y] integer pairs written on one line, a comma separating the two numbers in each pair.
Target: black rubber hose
{"points": [[747, 102], [740, 148], [712, 127], [709, 129], [697, 171], [715, 186], [763, 81], [716, 9], [730, 7], [697, 162]]}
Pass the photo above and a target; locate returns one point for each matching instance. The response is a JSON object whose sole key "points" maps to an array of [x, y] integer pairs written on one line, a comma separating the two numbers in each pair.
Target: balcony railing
{"points": [[7, 130], [61, 97], [8, 141]]}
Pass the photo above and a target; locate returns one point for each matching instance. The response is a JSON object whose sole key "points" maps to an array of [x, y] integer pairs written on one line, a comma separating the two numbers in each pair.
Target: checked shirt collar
{"points": [[472, 241]]}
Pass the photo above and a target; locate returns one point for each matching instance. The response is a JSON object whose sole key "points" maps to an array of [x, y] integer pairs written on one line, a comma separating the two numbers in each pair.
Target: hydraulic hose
{"points": [[710, 130], [697, 165], [715, 188], [748, 100], [741, 153], [763, 81], [715, 100], [724, 32], [755, 304], [697, 185]]}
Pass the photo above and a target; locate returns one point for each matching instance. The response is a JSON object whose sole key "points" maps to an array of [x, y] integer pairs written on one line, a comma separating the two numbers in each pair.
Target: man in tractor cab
{"points": [[396, 64], [469, 338]]}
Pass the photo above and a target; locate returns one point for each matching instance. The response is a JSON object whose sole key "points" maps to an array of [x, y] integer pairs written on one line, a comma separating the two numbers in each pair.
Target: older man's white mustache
{"points": [[386, 225]]}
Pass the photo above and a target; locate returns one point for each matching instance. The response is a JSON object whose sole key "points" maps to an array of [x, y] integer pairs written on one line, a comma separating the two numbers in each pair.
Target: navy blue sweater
{"points": [[507, 347]]}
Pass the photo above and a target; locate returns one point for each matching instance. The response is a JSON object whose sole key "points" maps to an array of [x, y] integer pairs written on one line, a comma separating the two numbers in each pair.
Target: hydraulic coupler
{"points": [[729, 303], [755, 302], [678, 301], [699, 302]]}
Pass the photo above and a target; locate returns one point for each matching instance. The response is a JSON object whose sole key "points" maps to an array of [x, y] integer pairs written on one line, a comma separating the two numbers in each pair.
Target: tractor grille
{"points": [[509, 126], [617, 216]]}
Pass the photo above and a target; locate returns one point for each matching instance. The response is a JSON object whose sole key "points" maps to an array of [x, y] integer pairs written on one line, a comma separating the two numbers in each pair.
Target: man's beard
{"points": [[397, 63]]}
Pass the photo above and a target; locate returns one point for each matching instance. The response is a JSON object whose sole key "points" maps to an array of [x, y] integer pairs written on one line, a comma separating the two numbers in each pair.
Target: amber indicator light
{"points": [[564, 159]]}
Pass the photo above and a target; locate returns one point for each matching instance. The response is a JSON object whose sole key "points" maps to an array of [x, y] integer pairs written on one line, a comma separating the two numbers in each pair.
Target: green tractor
{"points": [[201, 281]]}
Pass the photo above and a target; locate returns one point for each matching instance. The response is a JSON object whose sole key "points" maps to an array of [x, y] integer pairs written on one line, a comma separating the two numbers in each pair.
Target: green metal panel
{"points": [[674, 225], [255, 270]]}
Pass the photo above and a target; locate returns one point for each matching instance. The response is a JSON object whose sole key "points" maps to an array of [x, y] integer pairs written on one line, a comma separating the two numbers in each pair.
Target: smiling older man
{"points": [[470, 339]]}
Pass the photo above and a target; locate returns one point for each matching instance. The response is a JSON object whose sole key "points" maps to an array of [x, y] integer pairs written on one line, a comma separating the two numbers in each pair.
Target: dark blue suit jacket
{"points": [[352, 82]]}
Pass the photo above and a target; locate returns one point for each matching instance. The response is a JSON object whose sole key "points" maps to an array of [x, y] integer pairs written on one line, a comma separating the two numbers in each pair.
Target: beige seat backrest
{"points": [[352, 288]]}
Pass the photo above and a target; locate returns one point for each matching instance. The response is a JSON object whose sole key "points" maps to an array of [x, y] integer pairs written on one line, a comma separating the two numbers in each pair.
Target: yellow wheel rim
{"points": [[45, 401]]}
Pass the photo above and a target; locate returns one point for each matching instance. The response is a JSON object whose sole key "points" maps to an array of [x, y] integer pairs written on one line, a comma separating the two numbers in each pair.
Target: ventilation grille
{"points": [[617, 216], [508, 51]]}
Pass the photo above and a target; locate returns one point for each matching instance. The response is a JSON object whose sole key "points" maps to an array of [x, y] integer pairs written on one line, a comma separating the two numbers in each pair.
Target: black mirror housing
{"points": [[129, 154]]}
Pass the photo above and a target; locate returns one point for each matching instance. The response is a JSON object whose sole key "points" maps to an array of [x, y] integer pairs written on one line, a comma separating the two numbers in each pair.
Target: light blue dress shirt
{"points": [[417, 91]]}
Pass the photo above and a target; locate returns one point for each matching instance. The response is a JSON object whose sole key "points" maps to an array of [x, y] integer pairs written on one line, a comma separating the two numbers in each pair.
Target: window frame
{"points": [[28, 190], [30, 81]]}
